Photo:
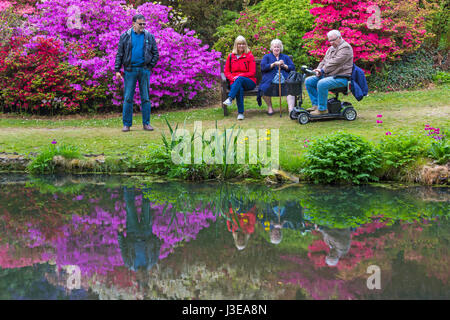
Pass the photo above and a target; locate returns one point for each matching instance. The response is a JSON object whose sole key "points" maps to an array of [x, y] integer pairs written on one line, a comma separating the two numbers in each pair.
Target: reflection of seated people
{"points": [[241, 222], [339, 241], [140, 247], [289, 215]]}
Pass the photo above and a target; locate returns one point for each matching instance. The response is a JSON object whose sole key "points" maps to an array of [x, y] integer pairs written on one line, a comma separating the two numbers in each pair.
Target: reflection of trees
{"points": [[351, 206]]}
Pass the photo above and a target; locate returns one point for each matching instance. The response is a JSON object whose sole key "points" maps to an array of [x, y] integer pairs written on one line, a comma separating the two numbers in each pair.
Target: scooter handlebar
{"points": [[305, 69]]}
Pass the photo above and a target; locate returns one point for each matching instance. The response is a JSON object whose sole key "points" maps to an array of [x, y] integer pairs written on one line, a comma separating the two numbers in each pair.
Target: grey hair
{"points": [[138, 17], [275, 42], [334, 33]]}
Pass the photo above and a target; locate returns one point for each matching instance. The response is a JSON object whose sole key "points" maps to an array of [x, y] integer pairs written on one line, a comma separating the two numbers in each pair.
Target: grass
{"points": [[96, 134]]}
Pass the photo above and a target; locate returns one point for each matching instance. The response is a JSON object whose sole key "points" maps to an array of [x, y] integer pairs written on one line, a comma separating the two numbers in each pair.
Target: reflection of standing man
{"points": [[339, 241], [138, 54], [140, 247]]}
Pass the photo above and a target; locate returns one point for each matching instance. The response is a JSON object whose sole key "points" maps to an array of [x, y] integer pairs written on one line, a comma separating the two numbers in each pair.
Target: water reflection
{"points": [[277, 216], [132, 240], [138, 244], [338, 240], [241, 220]]}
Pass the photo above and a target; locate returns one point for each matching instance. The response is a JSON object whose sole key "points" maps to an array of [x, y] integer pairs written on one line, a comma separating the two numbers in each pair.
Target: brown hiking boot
{"points": [[314, 108], [125, 129], [148, 127], [318, 112]]}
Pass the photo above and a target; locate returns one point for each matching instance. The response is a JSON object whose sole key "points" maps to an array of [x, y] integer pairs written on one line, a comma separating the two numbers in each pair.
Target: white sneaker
{"points": [[240, 116], [227, 102]]}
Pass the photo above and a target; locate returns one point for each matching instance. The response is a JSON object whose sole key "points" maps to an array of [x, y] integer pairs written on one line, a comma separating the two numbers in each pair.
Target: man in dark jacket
{"points": [[138, 53]]}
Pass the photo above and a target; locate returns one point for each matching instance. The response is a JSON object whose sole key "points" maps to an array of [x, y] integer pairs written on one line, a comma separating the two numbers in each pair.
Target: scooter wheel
{"points": [[293, 115], [350, 114], [303, 118]]}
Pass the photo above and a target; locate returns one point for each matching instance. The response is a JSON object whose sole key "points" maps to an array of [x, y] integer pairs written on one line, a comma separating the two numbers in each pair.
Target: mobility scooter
{"points": [[336, 108]]}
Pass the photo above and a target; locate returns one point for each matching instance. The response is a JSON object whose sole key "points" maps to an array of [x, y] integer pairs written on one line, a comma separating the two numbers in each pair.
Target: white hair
{"points": [[331, 261], [276, 42], [334, 33]]}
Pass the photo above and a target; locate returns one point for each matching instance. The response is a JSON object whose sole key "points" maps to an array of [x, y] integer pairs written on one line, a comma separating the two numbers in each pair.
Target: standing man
{"points": [[138, 54], [333, 71]]}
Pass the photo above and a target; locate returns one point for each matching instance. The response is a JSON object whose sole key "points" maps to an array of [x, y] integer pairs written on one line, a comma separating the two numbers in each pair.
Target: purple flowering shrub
{"points": [[440, 146], [185, 66]]}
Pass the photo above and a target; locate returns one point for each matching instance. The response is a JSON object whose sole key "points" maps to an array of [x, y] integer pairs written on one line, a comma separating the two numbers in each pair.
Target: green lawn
{"points": [[407, 110]]}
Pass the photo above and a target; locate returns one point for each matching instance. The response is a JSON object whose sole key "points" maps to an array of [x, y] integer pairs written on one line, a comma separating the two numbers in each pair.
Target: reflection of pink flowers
{"points": [[91, 241], [359, 250], [319, 286], [12, 257], [184, 227], [369, 228], [379, 115], [379, 121]]}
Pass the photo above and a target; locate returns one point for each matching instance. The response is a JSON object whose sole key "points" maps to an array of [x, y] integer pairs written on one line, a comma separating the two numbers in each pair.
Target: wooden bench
{"points": [[225, 89]]}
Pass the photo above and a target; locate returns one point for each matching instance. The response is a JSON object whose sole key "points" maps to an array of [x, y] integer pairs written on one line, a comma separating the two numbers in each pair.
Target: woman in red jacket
{"points": [[240, 70]]}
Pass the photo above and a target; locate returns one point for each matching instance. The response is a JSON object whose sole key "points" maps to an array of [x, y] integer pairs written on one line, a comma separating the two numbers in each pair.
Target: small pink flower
{"points": [[379, 121], [379, 115], [388, 133], [54, 141]]}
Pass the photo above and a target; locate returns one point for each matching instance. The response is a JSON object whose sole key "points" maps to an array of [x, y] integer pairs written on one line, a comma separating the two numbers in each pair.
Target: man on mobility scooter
{"points": [[332, 74]]}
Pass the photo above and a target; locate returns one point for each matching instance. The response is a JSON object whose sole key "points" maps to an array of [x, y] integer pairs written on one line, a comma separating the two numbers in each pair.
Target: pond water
{"points": [[96, 237]]}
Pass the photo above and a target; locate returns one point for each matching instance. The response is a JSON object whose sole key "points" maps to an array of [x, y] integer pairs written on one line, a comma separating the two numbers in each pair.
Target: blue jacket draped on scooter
{"points": [[358, 83]]}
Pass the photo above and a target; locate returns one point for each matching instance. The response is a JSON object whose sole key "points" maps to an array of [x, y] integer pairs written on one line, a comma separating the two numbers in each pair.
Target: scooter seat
{"points": [[343, 90]]}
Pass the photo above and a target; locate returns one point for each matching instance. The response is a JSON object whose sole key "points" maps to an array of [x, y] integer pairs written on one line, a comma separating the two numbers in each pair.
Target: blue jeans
{"points": [[237, 89], [318, 88], [143, 76]]}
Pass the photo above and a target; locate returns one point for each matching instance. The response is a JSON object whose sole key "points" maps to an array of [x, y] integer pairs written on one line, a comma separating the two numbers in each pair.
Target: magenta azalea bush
{"points": [[185, 67]]}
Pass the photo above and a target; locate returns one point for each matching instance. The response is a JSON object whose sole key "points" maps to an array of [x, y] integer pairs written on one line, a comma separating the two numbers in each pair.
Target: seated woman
{"points": [[269, 69], [240, 70]]}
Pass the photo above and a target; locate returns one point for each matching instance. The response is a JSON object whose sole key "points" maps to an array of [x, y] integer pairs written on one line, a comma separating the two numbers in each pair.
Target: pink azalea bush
{"points": [[19, 7], [185, 67], [5, 5], [379, 30]]}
